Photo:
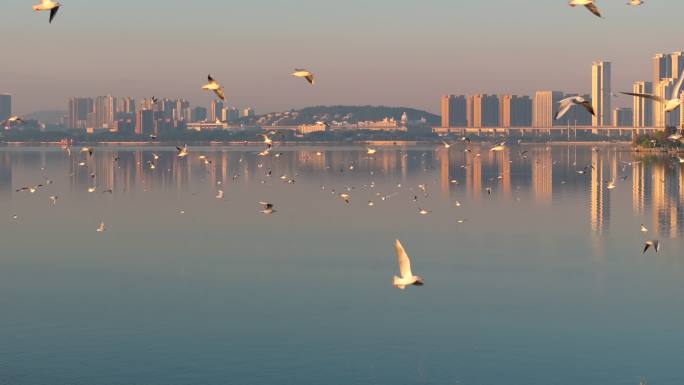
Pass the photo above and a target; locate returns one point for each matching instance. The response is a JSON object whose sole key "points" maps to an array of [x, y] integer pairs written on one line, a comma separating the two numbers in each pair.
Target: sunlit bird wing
{"points": [[53, 13], [594, 9], [678, 88], [404, 261], [647, 96], [564, 107]]}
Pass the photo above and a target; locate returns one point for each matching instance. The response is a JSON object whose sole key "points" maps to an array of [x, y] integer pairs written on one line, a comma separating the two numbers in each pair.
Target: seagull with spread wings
{"points": [[302, 73], [567, 103], [588, 4], [671, 104], [407, 278], [213, 85], [48, 5]]}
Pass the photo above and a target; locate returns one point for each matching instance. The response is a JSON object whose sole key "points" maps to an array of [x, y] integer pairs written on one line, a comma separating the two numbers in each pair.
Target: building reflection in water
{"points": [[546, 174], [600, 197]]}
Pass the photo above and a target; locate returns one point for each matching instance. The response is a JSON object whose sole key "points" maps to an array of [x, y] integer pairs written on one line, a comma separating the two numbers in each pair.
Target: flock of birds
{"points": [[406, 278], [590, 5]]}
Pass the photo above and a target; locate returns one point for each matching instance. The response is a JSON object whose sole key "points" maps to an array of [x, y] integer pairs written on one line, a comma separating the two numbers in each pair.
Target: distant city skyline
{"points": [[252, 47]]}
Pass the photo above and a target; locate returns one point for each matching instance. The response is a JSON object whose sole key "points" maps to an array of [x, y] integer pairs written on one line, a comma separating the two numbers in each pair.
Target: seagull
{"points": [[589, 4], [268, 208], [219, 195], [302, 73], [670, 105], [675, 137], [407, 278], [267, 141], [611, 185], [567, 103], [214, 86], [446, 144], [12, 119], [54, 198], [345, 197], [423, 211], [635, 3], [371, 151], [89, 150], [101, 228], [497, 148], [654, 243], [182, 152], [48, 5], [644, 229]]}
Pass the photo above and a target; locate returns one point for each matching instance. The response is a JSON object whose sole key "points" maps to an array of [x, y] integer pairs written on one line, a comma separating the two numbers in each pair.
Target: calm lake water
{"points": [[541, 282]]}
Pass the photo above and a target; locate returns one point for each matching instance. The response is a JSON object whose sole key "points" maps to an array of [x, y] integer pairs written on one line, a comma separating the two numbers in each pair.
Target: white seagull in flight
{"points": [[407, 278], [214, 86], [302, 73], [588, 4], [670, 105], [48, 5], [567, 103]]}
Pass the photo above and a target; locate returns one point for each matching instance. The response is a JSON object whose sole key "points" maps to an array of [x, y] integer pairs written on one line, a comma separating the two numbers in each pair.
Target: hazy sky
{"points": [[392, 52]]}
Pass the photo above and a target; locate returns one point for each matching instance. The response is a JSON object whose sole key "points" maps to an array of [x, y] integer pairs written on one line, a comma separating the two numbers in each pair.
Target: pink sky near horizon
{"points": [[400, 53]]}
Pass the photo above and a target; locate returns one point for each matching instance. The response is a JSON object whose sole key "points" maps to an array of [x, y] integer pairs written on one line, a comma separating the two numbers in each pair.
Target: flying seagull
{"points": [[588, 4], [48, 5], [407, 278], [214, 86], [101, 228], [644, 229], [654, 243], [302, 73], [670, 105], [12, 119], [567, 103], [635, 3], [182, 151]]}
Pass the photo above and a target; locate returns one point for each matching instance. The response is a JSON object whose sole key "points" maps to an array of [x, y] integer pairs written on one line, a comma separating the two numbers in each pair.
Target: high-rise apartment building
{"points": [[454, 111], [144, 122], [199, 114], [485, 111], [515, 111], [601, 93], [104, 112], [5, 106], [79, 109], [248, 112], [544, 108], [623, 117], [642, 108], [667, 68], [215, 111]]}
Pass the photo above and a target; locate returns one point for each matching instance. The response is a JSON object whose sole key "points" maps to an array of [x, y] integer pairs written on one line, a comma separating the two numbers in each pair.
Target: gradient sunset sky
{"points": [[399, 52]]}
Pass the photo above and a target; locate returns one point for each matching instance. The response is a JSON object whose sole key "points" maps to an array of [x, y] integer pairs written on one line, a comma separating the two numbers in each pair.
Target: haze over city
{"points": [[401, 53]]}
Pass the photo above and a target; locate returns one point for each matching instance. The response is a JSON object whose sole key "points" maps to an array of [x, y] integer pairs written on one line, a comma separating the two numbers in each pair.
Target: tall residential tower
{"points": [[601, 93]]}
